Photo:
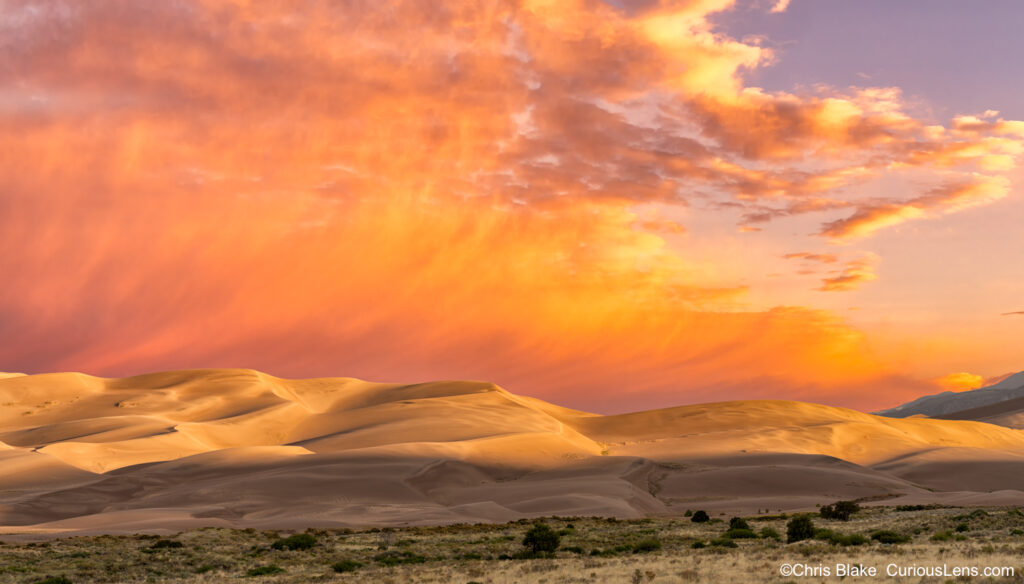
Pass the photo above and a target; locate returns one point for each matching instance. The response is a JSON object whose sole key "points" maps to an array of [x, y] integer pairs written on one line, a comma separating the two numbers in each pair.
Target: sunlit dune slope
{"points": [[101, 425], [241, 447], [786, 426]]}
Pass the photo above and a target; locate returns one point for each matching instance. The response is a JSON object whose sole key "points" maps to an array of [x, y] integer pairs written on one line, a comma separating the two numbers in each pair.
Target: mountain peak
{"points": [[948, 402]]}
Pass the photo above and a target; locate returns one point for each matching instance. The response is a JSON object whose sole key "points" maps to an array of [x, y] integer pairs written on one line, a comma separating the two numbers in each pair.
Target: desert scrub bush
{"points": [[849, 539], [799, 529], [700, 516], [840, 510], [346, 566], [769, 533], [647, 545], [888, 536], [163, 544], [698, 545], [265, 570], [541, 539], [738, 523], [723, 542], [739, 533], [842, 539], [299, 541], [947, 536], [963, 527], [396, 558]]}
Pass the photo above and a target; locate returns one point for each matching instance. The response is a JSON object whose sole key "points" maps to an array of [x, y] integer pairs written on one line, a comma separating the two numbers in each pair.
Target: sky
{"points": [[611, 205]]}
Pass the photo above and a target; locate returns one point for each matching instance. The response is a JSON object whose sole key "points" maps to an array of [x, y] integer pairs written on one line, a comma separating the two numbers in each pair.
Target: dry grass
{"points": [[470, 553]]}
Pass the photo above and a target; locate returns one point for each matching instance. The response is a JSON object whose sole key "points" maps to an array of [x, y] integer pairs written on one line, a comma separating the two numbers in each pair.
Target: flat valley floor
{"points": [[598, 550]]}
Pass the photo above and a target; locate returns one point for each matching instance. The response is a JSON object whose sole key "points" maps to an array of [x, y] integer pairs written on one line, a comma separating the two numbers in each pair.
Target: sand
{"points": [[165, 451]]}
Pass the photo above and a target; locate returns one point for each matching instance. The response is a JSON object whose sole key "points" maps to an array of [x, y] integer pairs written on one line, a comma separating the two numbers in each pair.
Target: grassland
{"points": [[598, 550]]}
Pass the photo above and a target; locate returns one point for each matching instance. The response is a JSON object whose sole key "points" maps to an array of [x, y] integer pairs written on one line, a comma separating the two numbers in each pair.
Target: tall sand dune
{"points": [[239, 447]]}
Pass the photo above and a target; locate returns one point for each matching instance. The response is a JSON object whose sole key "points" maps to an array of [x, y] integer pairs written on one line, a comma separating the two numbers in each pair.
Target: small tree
{"points": [[799, 528], [700, 517], [541, 539]]}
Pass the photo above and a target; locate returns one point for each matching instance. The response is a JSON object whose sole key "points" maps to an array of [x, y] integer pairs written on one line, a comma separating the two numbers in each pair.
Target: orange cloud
{"points": [[960, 381], [871, 217], [854, 274], [409, 191], [825, 258]]}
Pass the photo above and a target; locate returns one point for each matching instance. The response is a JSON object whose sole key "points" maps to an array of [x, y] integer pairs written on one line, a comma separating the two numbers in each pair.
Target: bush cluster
{"points": [[840, 510], [299, 541], [396, 558], [887, 536]]}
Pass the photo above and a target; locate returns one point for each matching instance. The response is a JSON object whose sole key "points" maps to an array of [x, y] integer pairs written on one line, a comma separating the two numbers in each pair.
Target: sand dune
{"points": [[239, 447]]}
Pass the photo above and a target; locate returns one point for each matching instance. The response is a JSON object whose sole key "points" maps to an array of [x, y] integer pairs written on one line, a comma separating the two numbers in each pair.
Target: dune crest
{"points": [[241, 447]]}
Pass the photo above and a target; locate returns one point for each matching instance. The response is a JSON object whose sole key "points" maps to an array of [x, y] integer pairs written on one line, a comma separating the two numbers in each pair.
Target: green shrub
{"points": [[689, 513], [823, 534], [265, 570], [1016, 532], [697, 545], [166, 544], [769, 533], [541, 539], [947, 535], [842, 539], [723, 542], [840, 510], [700, 517], [738, 533], [396, 558], [299, 541], [799, 528], [738, 523], [962, 528], [646, 546], [574, 549], [346, 566], [887, 536]]}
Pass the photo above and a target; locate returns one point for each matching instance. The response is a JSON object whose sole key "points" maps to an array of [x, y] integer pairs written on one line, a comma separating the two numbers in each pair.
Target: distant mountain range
{"points": [[998, 403]]}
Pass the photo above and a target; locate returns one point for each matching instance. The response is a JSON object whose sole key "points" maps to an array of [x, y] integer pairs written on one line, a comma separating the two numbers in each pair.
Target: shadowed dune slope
{"points": [[1009, 413], [239, 447]]}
